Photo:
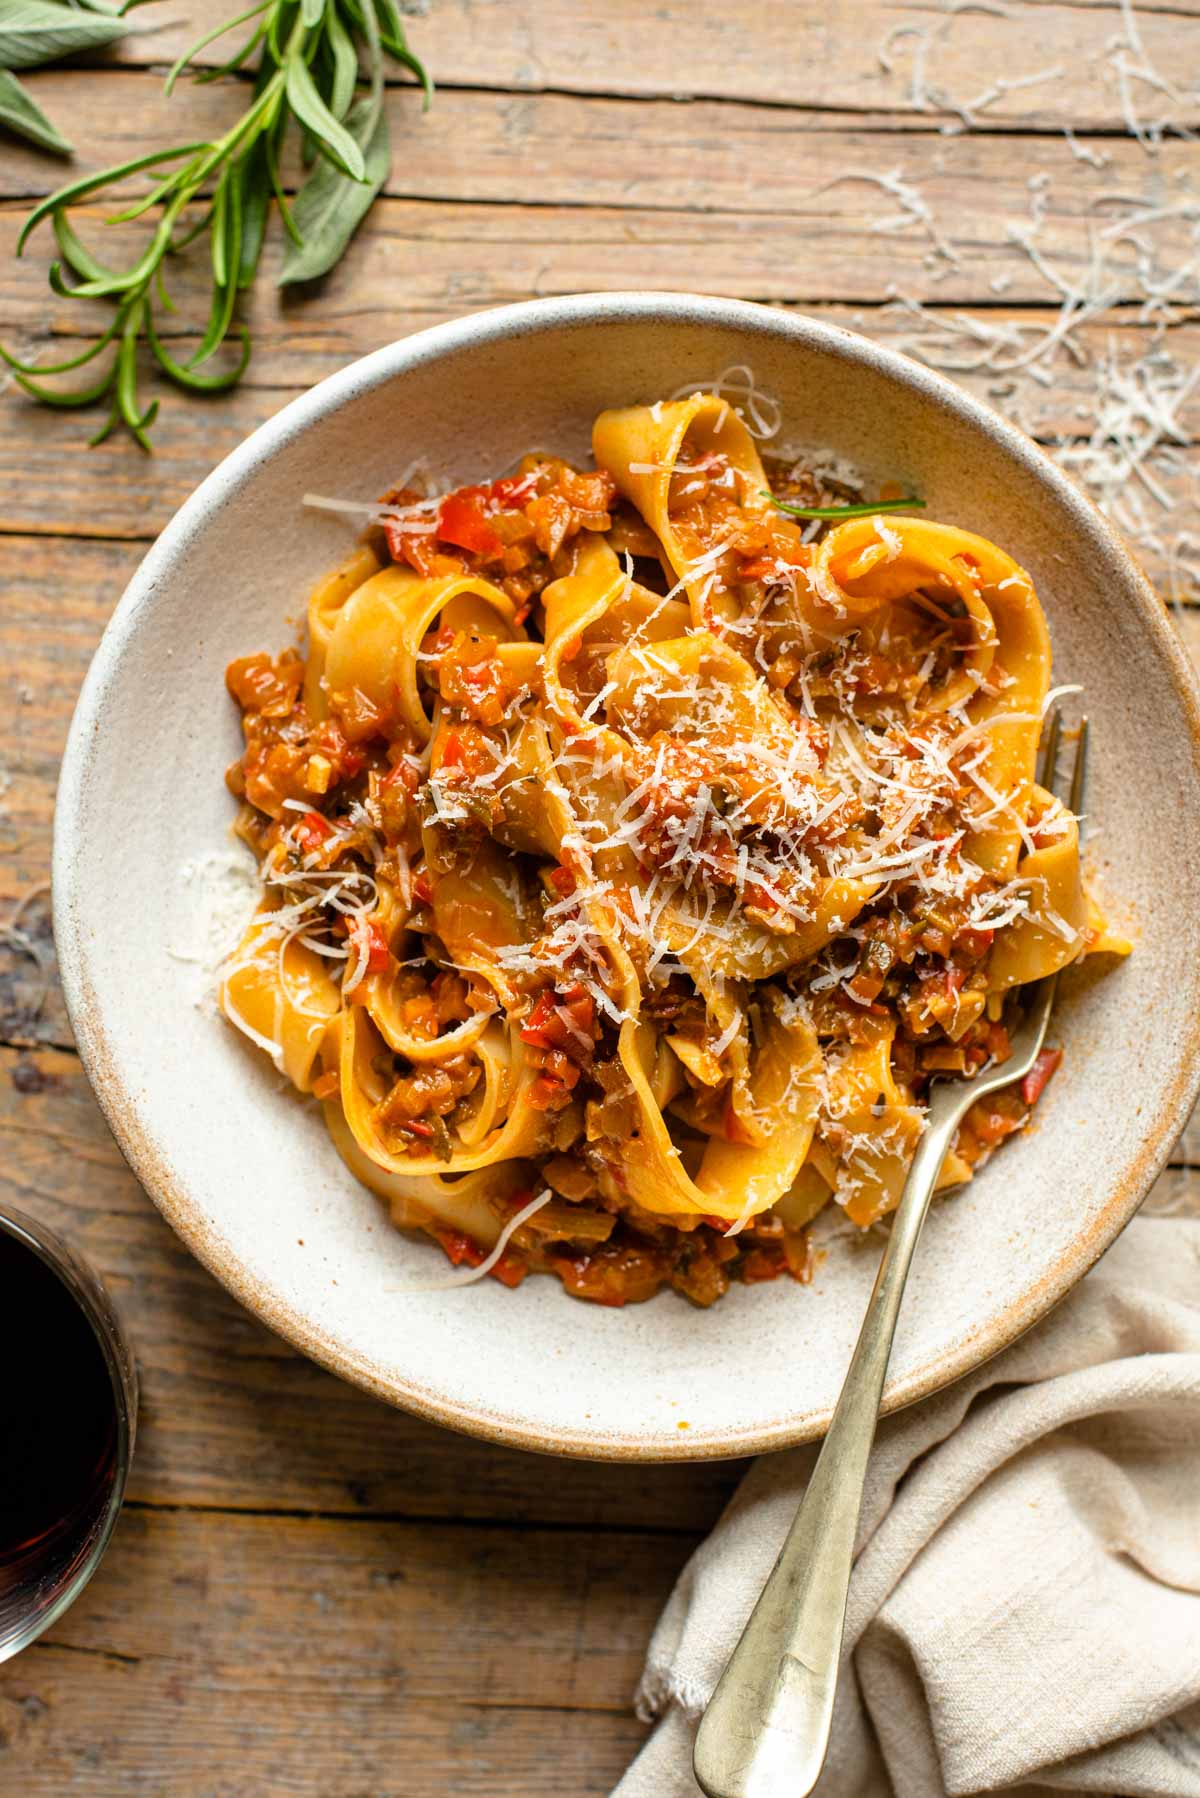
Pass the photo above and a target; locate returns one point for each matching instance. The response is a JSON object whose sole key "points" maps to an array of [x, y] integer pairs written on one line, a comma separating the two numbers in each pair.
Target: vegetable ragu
{"points": [[307, 74], [633, 859]]}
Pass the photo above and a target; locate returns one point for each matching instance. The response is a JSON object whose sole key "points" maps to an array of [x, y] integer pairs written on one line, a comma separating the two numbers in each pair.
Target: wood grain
{"points": [[309, 1593], [830, 234], [804, 56], [221, 1394], [705, 156], [290, 1655]]}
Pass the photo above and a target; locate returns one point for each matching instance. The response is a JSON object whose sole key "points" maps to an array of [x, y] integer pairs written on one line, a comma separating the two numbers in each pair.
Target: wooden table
{"points": [[308, 1593]]}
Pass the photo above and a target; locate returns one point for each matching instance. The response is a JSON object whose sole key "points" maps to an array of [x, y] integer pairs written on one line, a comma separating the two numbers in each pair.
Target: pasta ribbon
{"points": [[634, 857]]}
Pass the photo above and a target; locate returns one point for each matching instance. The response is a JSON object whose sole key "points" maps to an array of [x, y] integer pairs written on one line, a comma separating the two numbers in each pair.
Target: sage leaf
{"points": [[345, 65], [330, 207], [37, 31], [18, 113], [312, 111]]}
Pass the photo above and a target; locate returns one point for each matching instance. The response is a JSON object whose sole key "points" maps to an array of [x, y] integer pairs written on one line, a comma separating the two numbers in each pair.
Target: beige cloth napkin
{"points": [[1024, 1611]]}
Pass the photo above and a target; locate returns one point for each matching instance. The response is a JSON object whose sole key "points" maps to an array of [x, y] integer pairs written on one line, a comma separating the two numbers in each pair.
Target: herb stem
{"points": [[308, 72], [909, 503]]}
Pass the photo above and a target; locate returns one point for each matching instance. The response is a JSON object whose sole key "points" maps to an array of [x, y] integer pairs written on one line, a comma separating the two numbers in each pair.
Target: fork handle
{"points": [[766, 1729]]}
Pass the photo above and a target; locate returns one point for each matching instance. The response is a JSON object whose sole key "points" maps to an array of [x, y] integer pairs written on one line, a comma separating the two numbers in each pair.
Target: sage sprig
{"points": [[308, 72], [33, 32]]}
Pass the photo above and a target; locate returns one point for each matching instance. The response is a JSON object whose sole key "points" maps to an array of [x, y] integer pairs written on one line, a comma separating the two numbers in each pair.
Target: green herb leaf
{"points": [[37, 31], [209, 37], [910, 504], [254, 189], [75, 254], [60, 368], [80, 396], [18, 113], [88, 184], [330, 207], [185, 375], [391, 31], [344, 58], [312, 111], [305, 57]]}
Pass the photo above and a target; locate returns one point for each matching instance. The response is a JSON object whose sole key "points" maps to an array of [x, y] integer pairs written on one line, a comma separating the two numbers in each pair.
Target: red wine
{"points": [[58, 1420]]}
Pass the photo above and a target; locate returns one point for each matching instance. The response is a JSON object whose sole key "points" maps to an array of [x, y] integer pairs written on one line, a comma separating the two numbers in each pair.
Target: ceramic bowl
{"points": [[244, 1171]]}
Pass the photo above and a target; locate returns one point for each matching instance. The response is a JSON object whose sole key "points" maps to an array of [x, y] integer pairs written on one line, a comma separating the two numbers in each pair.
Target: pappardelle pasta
{"points": [[633, 854]]}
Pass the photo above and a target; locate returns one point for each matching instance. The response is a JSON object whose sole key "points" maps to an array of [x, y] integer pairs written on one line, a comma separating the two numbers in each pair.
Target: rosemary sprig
{"points": [[909, 504], [308, 71]]}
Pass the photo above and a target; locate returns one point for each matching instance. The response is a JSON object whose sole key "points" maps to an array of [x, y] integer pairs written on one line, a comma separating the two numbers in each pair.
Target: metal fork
{"points": [[766, 1729]]}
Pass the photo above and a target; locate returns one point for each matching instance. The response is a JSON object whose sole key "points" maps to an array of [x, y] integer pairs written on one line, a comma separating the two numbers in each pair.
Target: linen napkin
{"points": [[1024, 1611]]}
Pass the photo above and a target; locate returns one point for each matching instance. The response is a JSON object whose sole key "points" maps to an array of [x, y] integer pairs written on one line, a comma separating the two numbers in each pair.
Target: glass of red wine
{"points": [[68, 1412]]}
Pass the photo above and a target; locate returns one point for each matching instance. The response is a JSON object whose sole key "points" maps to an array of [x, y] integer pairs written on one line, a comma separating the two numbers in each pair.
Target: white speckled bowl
{"points": [[244, 1171]]}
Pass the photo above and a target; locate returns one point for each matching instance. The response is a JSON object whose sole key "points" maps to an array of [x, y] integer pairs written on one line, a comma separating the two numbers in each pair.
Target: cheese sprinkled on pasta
{"points": [[626, 841]]}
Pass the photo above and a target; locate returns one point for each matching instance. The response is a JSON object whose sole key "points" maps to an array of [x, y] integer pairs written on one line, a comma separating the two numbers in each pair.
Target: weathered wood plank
{"points": [[472, 144], [94, 1728], [221, 1394], [470, 1613], [707, 156], [802, 54], [230, 1655], [822, 228]]}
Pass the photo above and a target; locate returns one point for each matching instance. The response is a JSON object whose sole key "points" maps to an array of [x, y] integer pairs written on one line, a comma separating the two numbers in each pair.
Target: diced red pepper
{"points": [[452, 750], [378, 953], [422, 889], [510, 1270], [762, 1264], [534, 1029], [1040, 1075], [562, 1021], [312, 831], [417, 548], [459, 1247], [402, 775], [990, 1120], [760, 898], [461, 521], [563, 881], [548, 1094], [416, 1127], [510, 492]]}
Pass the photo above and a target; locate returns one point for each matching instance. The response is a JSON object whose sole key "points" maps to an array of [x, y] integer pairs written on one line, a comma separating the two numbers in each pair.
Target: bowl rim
{"points": [[148, 1158]]}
